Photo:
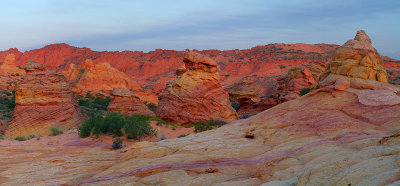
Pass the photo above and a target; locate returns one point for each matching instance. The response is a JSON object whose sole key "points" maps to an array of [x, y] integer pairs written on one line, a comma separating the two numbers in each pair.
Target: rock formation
{"points": [[127, 103], [196, 95], [357, 59], [9, 67], [245, 94], [10, 74], [43, 100], [153, 69], [99, 77]]}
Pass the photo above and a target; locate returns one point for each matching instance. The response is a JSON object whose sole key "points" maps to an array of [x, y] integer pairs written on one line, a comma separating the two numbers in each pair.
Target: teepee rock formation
{"points": [[357, 58]]}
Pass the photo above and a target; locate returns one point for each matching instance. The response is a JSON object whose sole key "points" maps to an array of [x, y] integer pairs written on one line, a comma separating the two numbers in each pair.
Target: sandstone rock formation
{"points": [[127, 103], [244, 93], [357, 59], [153, 69], [10, 74], [196, 95], [99, 77], [43, 99], [9, 67], [180, 70]]}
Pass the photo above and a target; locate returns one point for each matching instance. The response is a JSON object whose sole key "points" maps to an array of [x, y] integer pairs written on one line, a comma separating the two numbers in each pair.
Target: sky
{"points": [[146, 25]]}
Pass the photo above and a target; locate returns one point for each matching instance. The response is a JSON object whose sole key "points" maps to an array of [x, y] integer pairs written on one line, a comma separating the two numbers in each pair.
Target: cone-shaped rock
{"points": [[357, 58]]}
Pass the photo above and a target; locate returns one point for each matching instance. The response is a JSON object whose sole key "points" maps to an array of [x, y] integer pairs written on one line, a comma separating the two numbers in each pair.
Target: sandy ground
{"points": [[71, 138]]}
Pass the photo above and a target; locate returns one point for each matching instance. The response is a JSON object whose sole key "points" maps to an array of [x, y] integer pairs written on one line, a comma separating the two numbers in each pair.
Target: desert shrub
{"points": [[20, 138], [208, 125], [304, 91], [235, 105], [151, 106], [114, 123], [282, 66], [30, 136], [55, 131], [182, 135], [137, 127], [117, 143], [7, 104], [91, 104]]}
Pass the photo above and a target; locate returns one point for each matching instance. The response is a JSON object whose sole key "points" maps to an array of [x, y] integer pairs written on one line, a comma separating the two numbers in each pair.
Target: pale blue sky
{"points": [[202, 24]]}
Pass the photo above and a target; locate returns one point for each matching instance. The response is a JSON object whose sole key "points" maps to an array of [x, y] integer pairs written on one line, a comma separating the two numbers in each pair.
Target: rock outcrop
{"points": [[9, 67], [357, 59], [245, 94], [99, 77], [127, 103], [43, 100], [153, 69], [10, 74], [196, 95]]}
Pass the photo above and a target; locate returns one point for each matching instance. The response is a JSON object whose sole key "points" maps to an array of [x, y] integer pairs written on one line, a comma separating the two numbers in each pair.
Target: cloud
{"points": [[180, 24]]}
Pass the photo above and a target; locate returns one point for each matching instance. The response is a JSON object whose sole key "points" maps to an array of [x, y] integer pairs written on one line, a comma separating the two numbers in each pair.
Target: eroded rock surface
{"points": [[99, 77], [127, 103], [357, 58], [43, 99], [196, 95]]}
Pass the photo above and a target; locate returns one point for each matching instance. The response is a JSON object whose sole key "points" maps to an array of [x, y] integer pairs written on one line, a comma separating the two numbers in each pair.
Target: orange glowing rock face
{"points": [[99, 77], [43, 99], [196, 95], [127, 103], [154, 69]]}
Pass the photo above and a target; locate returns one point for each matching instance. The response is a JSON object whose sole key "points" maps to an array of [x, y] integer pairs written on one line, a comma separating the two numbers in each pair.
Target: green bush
{"points": [[304, 91], [55, 131], [91, 104], [117, 143], [1, 137], [208, 125], [7, 105], [30, 136], [20, 138], [136, 126]]}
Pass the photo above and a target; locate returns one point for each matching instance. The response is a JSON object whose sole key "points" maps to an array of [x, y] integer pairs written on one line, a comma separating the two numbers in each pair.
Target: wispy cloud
{"points": [[180, 24]]}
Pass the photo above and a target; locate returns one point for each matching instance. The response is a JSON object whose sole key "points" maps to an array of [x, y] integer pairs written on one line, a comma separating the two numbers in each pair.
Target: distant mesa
{"points": [[196, 95]]}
